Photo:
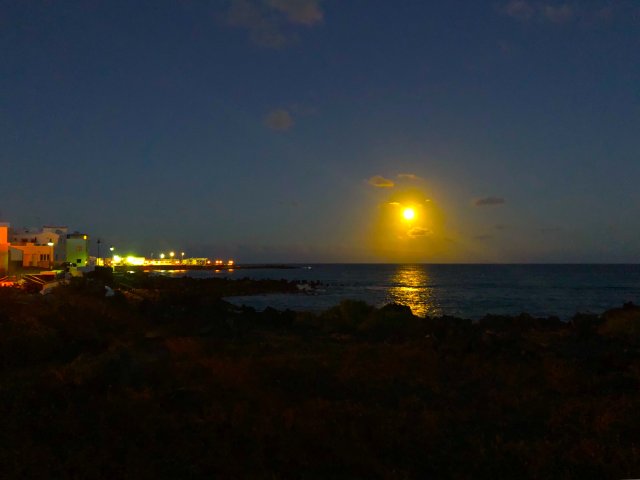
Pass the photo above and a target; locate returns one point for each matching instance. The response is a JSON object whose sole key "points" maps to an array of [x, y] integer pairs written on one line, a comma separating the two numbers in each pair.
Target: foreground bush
{"points": [[175, 384]]}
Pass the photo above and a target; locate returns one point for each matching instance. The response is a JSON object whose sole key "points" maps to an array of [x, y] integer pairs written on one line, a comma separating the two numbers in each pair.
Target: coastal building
{"points": [[45, 236], [77, 245], [30, 255], [59, 245], [4, 249]]}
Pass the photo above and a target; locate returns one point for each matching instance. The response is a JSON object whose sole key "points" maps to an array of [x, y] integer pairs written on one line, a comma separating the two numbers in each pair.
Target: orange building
{"points": [[32, 255], [4, 249]]}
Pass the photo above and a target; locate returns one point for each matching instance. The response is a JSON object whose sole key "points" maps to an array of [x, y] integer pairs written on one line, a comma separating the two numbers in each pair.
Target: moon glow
{"points": [[409, 214]]}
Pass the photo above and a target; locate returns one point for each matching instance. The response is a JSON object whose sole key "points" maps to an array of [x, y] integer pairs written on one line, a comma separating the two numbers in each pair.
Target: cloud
{"points": [[419, 232], [279, 120], [488, 201], [519, 9], [380, 182], [409, 176], [263, 30], [557, 14], [268, 21], [560, 13], [304, 12], [604, 14]]}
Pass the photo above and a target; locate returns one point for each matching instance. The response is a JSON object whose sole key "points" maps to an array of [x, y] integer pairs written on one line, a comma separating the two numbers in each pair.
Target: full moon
{"points": [[408, 213]]}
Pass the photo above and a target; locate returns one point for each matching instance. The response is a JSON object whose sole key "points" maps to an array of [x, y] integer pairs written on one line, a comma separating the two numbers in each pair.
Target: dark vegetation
{"points": [[166, 380]]}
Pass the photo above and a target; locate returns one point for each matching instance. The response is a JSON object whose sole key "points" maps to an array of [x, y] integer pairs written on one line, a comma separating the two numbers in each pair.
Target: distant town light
{"points": [[162, 255], [230, 262], [117, 259], [137, 261]]}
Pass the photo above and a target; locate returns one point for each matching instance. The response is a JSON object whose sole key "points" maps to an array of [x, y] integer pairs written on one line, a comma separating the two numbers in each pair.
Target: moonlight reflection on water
{"points": [[410, 286]]}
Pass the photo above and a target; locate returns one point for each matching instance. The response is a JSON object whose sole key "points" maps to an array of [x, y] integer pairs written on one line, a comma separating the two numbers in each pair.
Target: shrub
{"points": [[390, 320], [345, 317], [622, 322]]}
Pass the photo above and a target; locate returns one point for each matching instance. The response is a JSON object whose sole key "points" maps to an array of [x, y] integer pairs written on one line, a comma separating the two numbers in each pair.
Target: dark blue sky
{"points": [[257, 128]]}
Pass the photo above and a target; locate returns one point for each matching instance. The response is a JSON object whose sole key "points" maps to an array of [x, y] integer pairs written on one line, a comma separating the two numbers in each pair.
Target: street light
{"points": [[50, 245], [182, 255], [172, 254]]}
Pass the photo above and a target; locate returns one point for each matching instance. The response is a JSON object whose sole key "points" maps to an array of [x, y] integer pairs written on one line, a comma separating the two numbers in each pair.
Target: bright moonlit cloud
{"points": [[409, 176], [279, 120], [488, 201], [419, 232], [396, 237], [380, 182]]}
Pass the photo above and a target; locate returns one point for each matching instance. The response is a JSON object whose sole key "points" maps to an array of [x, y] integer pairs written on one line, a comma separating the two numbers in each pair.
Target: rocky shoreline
{"points": [[164, 379]]}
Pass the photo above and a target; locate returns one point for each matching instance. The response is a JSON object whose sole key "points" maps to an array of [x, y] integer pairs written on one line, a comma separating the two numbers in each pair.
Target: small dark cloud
{"points": [[279, 120], [264, 30], [506, 48], [519, 9], [380, 182], [605, 14], [561, 13], [303, 12], [269, 22], [419, 232], [558, 13], [488, 201]]}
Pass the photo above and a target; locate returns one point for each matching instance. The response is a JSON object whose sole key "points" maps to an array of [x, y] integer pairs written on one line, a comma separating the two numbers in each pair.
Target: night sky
{"points": [[299, 130]]}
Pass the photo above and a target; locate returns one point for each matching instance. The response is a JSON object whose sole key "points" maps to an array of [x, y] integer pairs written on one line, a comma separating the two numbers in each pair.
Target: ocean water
{"points": [[469, 291]]}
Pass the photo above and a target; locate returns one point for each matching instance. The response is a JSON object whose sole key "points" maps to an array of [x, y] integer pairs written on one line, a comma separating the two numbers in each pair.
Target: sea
{"points": [[467, 291]]}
